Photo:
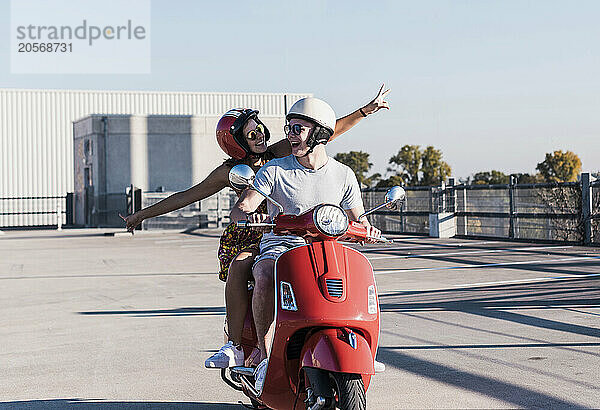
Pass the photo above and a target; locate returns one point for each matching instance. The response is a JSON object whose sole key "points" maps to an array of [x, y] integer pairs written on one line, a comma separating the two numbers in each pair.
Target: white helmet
{"points": [[319, 112]]}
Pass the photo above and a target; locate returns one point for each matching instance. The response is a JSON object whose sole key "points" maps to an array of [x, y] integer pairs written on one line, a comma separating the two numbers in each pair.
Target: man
{"points": [[298, 182]]}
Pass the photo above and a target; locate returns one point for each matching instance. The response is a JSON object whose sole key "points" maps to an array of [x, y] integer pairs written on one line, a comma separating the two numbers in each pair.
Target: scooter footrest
{"points": [[246, 371], [229, 382]]}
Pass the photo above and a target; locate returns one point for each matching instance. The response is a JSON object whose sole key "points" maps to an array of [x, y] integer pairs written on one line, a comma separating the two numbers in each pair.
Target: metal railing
{"points": [[595, 213], [548, 212], [36, 211], [568, 212], [210, 212]]}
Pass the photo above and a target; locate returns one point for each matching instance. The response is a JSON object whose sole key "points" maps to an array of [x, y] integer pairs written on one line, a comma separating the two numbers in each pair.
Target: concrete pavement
{"points": [[95, 321]]}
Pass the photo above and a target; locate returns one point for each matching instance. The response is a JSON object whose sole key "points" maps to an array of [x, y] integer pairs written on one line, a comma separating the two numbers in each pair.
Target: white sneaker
{"points": [[227, 356], [379, 367], [259, 375]]}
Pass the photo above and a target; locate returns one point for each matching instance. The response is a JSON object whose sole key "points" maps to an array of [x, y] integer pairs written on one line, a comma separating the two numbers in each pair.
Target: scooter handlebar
{"points": [[246, 224], [357, 232]]}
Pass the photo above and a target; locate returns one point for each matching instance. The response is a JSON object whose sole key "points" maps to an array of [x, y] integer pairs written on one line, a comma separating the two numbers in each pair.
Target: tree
{"points": [[414, 166], [374, 179], [490, 178], [464, 181], [433, 168], [390, 182], [358, 161], [529, 179], [560, 166], [407, 163]]}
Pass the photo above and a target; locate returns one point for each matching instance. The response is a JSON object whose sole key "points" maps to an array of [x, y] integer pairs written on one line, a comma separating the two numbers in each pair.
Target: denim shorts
{"points": [[271, 246]]}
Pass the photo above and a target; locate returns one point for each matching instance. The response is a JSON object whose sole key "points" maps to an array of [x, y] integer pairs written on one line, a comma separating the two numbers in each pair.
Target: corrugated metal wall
{"points": [[36, 134]]}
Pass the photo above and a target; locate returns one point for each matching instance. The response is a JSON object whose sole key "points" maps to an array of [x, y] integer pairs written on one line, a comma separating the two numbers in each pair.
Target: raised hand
{"points": [[378, 102]]}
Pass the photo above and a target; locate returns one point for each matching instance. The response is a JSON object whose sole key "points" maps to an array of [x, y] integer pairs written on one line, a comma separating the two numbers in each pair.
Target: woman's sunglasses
{"points": [[254, 133]]}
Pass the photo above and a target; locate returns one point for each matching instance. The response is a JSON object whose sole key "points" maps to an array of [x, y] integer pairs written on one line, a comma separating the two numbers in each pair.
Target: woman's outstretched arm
{"points": [[213, 183]]}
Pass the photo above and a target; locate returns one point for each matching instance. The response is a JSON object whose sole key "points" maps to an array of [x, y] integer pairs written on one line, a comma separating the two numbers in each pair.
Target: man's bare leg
{"points": [[263, 302], [236, 294]]}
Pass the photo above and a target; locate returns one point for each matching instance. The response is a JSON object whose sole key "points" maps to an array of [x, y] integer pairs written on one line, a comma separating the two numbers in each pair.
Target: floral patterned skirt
{"points": [[233, 241]]}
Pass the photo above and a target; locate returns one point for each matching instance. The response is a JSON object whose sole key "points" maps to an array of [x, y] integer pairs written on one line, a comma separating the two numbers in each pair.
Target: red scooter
{"points": [[326, 325]]}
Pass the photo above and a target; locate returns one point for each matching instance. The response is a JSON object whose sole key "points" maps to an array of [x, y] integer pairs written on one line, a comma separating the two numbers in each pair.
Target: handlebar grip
{"points": [[246, 224]]}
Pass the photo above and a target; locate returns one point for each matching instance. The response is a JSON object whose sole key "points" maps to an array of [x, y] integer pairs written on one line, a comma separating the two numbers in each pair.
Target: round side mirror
{"points": [[394, 197], [241, 176]]}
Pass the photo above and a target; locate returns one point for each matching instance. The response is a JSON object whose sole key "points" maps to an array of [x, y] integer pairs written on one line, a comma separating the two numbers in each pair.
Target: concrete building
{"points": [[155, 153], [36, 140]]}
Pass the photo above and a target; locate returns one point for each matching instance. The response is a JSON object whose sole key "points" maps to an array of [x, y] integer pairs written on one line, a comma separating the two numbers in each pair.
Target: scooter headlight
{"points": [[331, 220]]}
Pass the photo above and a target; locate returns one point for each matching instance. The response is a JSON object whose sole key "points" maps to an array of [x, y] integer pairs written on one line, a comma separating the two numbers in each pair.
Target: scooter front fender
{"points": [[338, 350]]}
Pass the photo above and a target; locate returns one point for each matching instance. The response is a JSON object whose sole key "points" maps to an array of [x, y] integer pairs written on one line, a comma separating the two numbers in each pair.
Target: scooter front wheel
{"points": [[349, 391], [332, 390]]}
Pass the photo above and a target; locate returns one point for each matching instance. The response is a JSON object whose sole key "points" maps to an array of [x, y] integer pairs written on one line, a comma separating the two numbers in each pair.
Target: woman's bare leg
{"points": [[236, 293]]}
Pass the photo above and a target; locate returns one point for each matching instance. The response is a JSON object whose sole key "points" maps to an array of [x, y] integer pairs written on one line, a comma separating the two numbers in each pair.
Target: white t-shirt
{"points": [[299, 189]]}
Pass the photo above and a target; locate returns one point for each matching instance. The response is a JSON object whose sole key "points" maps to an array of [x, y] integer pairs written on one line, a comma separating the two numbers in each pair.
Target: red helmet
{"points": [[230, 137]]}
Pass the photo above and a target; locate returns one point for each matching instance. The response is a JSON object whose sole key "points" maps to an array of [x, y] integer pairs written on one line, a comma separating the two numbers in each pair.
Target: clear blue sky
{"points": [[493, 84]]}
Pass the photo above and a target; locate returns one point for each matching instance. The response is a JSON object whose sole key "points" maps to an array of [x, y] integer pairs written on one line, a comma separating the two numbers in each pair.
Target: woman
{"points": [[242, 135]]}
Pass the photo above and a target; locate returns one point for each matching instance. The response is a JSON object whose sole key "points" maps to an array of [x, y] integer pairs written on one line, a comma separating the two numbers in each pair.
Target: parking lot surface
{"points": [[93, 319]]}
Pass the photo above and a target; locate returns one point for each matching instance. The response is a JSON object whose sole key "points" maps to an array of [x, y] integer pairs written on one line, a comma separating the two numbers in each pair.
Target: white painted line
{"points": [[182, 241], [429, 245], [118, 234], [487, 265], [482, 284], [398, 240], [471, 252], [156, 237], [526, 280]]}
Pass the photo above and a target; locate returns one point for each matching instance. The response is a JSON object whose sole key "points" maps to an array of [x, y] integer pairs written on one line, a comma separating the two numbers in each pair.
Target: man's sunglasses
{"points": [[254, 133], [295, 129]]}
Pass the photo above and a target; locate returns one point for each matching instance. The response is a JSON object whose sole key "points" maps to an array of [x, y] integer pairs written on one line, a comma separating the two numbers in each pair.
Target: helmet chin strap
{"points": [[253, 154], [312, 149], [308, 152], [311, 141]]}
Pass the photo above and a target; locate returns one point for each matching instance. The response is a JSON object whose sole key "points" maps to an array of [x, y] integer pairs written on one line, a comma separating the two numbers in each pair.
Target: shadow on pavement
{"points": [[57, 236], [185, 311], [492, 346], [582, 267], [216, 234], [517, 395], [499, 302], [107, 275], [110, 405]]}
